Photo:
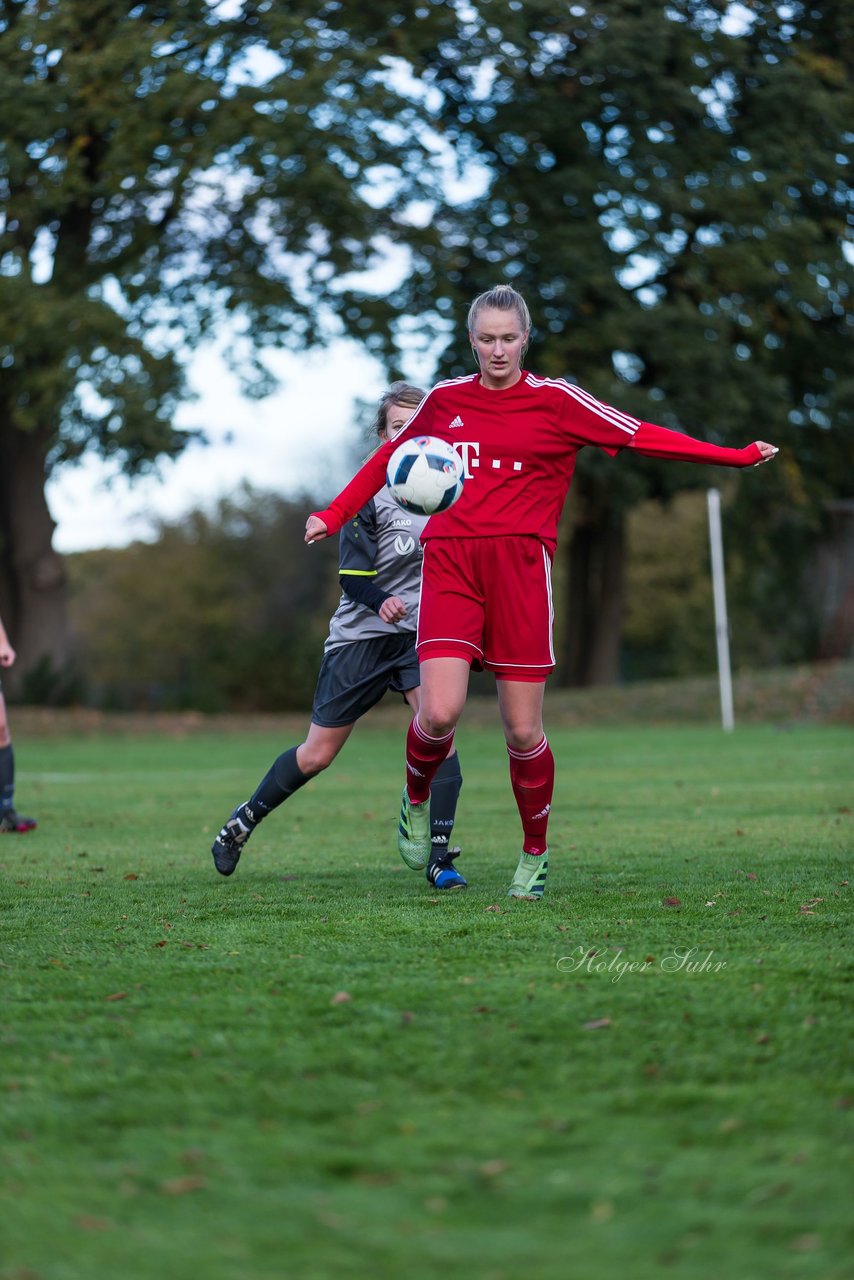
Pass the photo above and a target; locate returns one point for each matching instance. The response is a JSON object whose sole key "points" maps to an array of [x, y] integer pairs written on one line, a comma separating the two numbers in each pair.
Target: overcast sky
{"points": [[303, 437]]}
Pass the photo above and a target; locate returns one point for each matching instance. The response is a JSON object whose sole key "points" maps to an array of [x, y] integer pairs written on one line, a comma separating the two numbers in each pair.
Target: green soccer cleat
{"points": [[530, 878], [413, 833]]}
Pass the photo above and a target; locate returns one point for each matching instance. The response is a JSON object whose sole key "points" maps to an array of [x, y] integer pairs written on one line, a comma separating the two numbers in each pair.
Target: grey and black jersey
{"points": [[381, 542]]}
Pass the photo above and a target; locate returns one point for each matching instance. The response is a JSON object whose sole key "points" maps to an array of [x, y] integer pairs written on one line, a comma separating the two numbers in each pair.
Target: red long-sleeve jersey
{"points": [[519, 445]]}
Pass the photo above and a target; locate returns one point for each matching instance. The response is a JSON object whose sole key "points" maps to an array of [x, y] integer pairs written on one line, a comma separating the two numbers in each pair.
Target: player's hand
{"points": [[767, 450], [7, 655], [315, 529], [392, 610]]}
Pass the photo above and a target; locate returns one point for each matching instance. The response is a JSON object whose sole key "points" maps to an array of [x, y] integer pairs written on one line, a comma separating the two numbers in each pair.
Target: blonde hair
{"points": [[402, 393], [501, 297]]}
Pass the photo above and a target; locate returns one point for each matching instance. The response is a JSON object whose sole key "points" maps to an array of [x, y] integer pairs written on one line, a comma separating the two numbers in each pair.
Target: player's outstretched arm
{"points": [[768, 451], [315, 529], [367, 481], [659, 442]]}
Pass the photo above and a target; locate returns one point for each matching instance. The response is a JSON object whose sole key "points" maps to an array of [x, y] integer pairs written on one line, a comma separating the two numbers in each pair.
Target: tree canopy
{"points": [[668, 184], [165, 168], [665, 181]]}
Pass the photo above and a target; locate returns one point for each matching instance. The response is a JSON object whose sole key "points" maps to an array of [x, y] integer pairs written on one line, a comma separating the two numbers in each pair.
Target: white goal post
{"points": [[721, 625]]}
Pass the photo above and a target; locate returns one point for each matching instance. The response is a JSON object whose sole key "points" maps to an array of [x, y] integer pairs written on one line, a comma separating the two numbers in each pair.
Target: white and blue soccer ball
{"points": [[425, 475]]}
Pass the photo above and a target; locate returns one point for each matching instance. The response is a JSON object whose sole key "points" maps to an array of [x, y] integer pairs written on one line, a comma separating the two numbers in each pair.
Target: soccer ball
{"points": [[425, 475]]}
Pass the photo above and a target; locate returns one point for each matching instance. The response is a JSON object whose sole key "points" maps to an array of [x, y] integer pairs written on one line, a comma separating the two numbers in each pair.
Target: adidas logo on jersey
{"points": [[457, 422]]}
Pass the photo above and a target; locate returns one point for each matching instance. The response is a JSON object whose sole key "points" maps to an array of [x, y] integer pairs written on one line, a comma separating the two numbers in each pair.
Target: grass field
{"points": [[322, 1068]]}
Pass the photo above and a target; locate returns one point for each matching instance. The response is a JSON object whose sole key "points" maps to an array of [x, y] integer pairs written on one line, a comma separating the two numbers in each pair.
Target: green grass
{"points": [[183, 1097]]}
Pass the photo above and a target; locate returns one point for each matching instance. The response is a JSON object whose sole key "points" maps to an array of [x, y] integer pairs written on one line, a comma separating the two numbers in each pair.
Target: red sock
{"points": [[423, 757], [532, 774]]}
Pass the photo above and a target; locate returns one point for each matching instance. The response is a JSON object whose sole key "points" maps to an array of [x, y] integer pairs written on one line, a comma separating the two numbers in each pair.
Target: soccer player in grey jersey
{"points": [[370, 649]]}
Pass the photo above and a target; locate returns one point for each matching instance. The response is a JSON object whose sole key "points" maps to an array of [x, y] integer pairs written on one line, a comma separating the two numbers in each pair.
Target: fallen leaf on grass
{"points": [[597, 1024], [671, 902], [117, 995], [374, 1178], [182, 1186], [805, 1244], [163, 942], [495, 907], [334, 1221], [341, 997], [131, 876]]}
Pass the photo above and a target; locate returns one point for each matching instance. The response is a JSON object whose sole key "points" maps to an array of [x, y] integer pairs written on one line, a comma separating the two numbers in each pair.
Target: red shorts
{"points": [[488, 600]]}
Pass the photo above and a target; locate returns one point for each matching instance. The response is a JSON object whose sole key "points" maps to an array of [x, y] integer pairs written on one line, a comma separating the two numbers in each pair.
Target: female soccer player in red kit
{"points": [[486, 577]]}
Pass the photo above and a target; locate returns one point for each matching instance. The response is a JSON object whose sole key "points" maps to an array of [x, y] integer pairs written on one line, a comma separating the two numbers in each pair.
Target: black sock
{"points": [[7, 777], [444, 793], [282, 779]]}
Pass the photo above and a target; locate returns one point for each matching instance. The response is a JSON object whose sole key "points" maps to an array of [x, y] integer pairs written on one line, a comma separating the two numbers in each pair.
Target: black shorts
{"points": [[352, 679]]}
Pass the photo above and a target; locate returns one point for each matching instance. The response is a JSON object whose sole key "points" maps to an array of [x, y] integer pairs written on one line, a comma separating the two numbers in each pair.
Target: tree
{"points": [[210, 616], [165, 170], [667, 181]]}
